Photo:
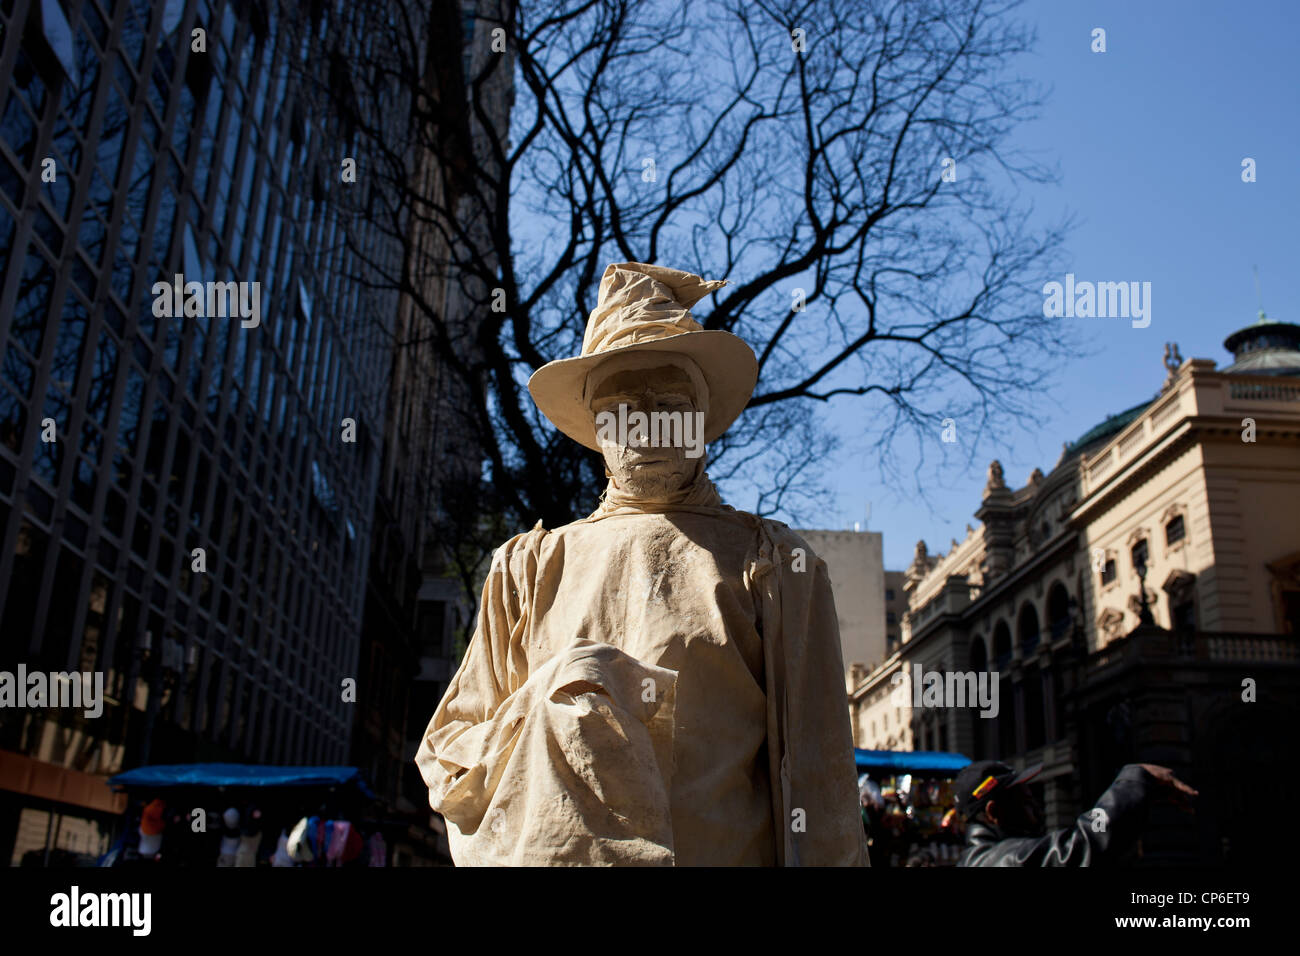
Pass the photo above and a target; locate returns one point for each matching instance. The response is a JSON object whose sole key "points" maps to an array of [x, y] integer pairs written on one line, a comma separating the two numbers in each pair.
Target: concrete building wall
{"points": [[854, 560], [895, 609], [1256, 521]]}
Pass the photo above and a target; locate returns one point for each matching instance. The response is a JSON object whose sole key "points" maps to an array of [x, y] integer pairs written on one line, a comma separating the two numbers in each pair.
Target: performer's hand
{"points": [[1172, 789]]}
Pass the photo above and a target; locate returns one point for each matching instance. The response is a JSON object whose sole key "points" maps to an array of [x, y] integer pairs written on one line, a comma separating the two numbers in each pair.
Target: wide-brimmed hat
{"points": [[646, 308]]}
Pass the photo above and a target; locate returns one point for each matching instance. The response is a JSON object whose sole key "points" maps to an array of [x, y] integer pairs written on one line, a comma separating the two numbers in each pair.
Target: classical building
{"points": [[1137, 603]]}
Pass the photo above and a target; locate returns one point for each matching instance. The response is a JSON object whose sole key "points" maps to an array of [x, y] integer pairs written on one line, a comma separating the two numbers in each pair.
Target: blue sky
{"points": [[1148, 138]]}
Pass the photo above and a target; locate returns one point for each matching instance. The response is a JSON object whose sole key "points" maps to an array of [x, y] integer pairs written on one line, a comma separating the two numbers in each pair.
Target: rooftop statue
{"points": [[996, 479], [659, 683]]}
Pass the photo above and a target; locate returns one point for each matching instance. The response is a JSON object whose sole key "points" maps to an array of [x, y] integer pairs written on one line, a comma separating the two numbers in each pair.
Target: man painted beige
{"points": [[659, 683]]}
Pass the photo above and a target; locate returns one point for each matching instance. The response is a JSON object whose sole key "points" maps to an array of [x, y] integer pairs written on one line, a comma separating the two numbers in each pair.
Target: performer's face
{"points": [[637, 467]]}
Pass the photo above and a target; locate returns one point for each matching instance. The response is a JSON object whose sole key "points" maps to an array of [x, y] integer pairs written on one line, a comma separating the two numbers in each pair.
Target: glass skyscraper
{"points": [[185, 502]]}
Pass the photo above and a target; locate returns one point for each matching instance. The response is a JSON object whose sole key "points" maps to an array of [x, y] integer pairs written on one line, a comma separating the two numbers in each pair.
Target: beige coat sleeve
{"points": [[821, 812], [470, 736]]}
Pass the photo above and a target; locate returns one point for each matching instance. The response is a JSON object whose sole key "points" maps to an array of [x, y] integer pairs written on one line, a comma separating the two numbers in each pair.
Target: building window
{"points": [[891, 617], [1027, 628], [1001, 646], [1139, 554], [1058, 610], [1108, 572], [1174, 530], [889, 594]]}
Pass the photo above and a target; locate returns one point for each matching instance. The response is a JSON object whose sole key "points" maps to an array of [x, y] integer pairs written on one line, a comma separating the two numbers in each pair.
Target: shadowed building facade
{"points": [[199, 528], [416, 606]]}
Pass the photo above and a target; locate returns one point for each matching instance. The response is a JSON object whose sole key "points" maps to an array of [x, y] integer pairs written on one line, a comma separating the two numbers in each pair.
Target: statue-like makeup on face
{"points": [[648, 384]]}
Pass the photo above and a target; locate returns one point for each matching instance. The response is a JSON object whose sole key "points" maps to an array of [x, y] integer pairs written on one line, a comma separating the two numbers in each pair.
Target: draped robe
{"points": [[652, 685]]}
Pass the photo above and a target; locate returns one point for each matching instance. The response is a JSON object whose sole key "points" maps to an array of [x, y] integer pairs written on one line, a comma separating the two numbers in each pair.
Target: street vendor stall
{"points": [[228, 815], [908, 806]]}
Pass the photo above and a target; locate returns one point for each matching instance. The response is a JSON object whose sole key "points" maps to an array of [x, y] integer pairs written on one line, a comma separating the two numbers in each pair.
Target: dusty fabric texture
{"points": [[657, 685]]}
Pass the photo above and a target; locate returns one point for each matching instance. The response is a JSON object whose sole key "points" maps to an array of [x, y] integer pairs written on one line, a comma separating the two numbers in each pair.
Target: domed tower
{"points": [[1265, 347]]}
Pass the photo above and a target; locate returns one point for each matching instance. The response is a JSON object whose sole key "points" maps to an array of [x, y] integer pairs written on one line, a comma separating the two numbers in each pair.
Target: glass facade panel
{"points": [[161, 446]]}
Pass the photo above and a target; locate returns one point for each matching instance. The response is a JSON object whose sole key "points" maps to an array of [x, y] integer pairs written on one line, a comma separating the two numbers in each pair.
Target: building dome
{"points": [[1104, 431], [1265, 347]]}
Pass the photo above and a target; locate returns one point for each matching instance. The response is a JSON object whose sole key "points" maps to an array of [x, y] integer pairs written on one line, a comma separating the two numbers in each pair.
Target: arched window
{"points": [[1058, 610], [1001, 646], [1027, 629], [1031, 681], [1004, 733]]}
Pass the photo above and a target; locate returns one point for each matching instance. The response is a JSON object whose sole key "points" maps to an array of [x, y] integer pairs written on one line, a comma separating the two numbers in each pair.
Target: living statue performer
{"points": [[659, 683]]}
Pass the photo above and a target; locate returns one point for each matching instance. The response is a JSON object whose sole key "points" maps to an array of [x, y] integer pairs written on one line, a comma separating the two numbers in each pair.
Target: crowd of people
{"points": [[264, 833], [910, 820]]}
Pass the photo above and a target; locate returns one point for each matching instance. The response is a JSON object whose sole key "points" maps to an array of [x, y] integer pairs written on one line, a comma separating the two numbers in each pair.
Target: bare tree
{"points": [[844, 162]]}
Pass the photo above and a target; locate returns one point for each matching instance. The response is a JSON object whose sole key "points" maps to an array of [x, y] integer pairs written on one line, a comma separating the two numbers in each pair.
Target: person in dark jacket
{"points": [[1005, 825]]}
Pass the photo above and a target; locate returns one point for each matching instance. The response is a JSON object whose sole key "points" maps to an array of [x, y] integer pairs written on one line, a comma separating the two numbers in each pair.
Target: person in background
{"points": [[1005, 822], [152, 824]]}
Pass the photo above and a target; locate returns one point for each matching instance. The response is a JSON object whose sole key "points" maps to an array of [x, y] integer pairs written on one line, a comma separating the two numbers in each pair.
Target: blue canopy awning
{"points": [[166, 776], [909, 761]]}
